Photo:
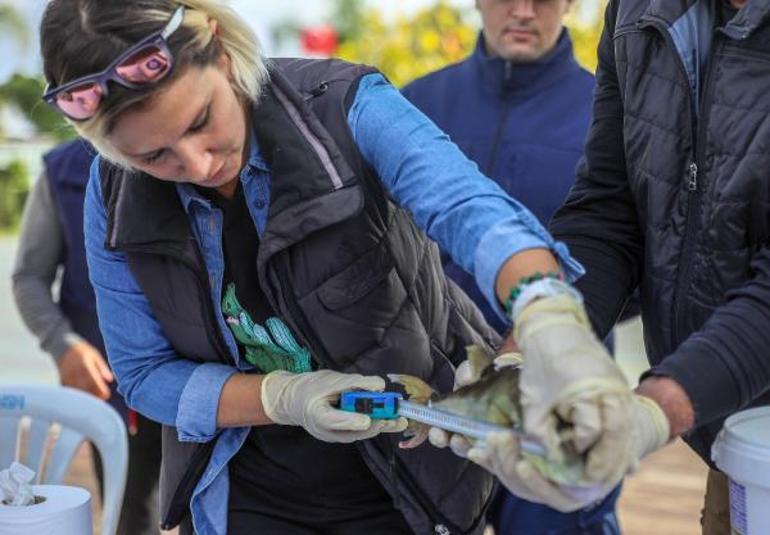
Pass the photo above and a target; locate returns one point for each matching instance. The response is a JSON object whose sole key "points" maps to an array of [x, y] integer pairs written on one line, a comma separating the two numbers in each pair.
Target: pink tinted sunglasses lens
{"points": [[80, 102], [146, 66]]}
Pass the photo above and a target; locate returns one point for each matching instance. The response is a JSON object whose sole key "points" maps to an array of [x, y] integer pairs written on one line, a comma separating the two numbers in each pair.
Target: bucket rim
{"points": [[742, 417]]}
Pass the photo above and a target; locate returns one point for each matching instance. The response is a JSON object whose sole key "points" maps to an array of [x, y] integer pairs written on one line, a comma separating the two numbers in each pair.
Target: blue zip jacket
{"points": [[523, 124], [468, 215]]}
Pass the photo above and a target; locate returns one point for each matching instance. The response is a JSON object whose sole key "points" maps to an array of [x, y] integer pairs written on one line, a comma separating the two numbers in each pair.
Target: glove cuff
{"points": [[651, 426], [274, 384], [523, 295], [560, 309]]}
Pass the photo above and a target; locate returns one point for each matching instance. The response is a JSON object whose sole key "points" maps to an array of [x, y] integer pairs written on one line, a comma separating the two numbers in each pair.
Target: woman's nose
{"points": [[196, 162]]}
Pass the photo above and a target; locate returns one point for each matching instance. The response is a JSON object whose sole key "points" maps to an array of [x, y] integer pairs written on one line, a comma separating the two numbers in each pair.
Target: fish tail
{"points": [[479, 359], [416, 389]]}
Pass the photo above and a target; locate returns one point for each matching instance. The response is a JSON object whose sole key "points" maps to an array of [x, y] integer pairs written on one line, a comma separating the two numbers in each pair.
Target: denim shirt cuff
{"points": [[196, 417], [508, 238]]}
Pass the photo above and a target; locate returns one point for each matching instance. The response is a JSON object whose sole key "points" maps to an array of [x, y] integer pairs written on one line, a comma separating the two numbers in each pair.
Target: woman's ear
{"points": [[225, 65], [223, 61]]}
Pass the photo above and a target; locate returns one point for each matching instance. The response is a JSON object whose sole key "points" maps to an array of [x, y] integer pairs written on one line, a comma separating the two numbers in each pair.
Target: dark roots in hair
{"points": [[81, 37]]}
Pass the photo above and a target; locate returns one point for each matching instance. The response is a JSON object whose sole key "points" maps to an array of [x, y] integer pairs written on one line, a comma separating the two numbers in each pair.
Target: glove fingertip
{"points": [[394, 426], [371, 383], [438, 437]]}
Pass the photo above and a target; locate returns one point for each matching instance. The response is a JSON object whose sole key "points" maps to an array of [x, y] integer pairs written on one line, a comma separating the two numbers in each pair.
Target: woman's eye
{"points": [[154, 157], [200, 125]]}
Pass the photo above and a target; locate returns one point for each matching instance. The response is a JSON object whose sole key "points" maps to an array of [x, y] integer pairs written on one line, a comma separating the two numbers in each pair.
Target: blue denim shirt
{"points": [[469, 215]]}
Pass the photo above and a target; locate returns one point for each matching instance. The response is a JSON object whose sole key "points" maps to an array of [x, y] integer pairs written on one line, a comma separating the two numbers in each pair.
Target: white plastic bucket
{"points": [[742, 451]]}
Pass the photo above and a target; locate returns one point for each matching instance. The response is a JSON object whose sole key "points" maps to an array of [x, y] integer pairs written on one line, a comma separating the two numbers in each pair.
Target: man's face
{"points": [[521, 30]]}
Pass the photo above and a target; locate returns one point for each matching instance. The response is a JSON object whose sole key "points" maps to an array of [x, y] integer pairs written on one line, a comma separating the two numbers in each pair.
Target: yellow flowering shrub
{"points": [[585, 35], [410, 47], [435, 37]]}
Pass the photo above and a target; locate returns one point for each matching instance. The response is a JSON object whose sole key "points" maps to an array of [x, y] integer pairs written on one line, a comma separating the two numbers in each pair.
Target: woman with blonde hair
{"points": [[256, 236]]}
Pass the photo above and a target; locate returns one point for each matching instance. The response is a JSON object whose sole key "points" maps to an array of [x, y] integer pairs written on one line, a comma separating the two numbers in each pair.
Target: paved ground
{"points": [[20, 358], [663, 497]]}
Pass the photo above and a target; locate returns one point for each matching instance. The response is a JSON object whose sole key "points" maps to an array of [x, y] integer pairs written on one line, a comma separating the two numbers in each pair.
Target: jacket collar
{"points": [[503, 77], [746, 21], [749, 18]]}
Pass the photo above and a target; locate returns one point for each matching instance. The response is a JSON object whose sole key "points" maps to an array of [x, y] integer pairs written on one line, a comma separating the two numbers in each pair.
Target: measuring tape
{"points": [[391, 405]]}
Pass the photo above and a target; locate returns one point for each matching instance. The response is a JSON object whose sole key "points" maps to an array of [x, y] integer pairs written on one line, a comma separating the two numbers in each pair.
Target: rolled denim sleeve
{"points": [[152, 377], [469, 215]]}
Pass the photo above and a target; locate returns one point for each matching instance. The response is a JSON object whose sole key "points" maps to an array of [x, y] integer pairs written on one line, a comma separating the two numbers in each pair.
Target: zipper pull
{"points": [[318, 91], [692, 183], [507, 71]]}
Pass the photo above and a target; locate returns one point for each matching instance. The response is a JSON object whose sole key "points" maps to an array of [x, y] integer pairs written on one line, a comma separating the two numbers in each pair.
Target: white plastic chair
{"points": [[80, 417]]}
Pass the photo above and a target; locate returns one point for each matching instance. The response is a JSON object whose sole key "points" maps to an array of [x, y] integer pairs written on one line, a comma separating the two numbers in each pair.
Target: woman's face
{"points": [[193, 131]]}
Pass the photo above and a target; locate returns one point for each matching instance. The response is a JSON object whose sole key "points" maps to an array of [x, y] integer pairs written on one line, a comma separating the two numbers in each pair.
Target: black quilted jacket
{"points": [[673, 196]]}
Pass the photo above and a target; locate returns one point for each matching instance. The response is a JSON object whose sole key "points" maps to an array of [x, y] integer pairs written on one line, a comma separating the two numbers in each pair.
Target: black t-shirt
{"points": [[282, 478]]}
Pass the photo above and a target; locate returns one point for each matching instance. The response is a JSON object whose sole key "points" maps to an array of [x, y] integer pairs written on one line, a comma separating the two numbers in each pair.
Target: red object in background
{"points": [[319, 40], [133, 422]]}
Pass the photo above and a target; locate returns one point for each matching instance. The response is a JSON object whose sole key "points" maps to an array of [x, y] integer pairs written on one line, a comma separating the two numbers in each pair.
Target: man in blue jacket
{"points": [[520, 107]]}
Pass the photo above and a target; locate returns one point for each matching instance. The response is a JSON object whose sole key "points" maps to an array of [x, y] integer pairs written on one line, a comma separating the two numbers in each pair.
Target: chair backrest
{"points": [[77, 416]]}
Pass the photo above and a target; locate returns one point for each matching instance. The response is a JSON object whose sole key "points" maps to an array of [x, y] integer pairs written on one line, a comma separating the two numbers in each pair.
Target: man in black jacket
{"points": [[672, 197]]}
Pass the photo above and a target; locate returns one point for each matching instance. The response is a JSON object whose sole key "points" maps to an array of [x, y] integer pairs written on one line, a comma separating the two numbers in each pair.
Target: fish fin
{"points": [[508, 359], [478, 359], [416, 389], [418, 435]]}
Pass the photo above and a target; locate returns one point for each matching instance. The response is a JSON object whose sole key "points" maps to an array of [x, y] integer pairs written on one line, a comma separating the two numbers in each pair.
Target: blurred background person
{"points": [[67, 328], [520, 107]]}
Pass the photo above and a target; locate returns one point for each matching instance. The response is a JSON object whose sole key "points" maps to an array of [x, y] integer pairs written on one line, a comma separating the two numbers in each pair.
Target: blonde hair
{"points": [[192, 43]]}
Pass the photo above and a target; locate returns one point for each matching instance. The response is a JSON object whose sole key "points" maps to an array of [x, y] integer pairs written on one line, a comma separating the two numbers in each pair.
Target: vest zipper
{"points": [[698, 122], [695, 202], [179, 505], [318, 91], [180, 499], [296, 320], [315, 143], [490, 166], [692, 185], [441, 525]]}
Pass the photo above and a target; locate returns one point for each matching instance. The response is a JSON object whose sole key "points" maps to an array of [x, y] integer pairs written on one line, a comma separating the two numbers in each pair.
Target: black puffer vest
{"points": [[347, 269]]}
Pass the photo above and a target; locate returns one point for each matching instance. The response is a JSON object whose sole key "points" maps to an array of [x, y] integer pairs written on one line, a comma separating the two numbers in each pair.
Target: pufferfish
{"points": [[495, 398]]}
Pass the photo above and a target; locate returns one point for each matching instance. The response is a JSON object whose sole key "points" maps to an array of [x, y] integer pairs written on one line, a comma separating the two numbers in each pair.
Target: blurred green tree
{"points": [[25, 92], [11, 20], [13, 193]]}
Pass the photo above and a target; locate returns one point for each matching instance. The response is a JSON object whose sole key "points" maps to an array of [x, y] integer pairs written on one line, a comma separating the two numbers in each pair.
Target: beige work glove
{"points": [[572, 390], [500, 454], [306, 399]]}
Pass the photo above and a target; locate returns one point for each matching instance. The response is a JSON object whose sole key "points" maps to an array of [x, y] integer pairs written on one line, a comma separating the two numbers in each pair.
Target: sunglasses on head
{"points": [[145, 63]]}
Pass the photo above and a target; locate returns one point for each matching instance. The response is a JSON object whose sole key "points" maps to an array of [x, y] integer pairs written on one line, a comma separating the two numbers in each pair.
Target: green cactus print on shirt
{"points": [[267, 349]]}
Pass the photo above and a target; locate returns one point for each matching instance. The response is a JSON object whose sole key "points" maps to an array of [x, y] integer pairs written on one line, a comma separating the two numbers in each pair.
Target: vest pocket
{"points": [[352, 311], [352, 285]]}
